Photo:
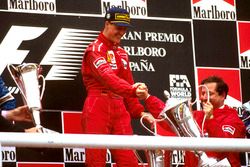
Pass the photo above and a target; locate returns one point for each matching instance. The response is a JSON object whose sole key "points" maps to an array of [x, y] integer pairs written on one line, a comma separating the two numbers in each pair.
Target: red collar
{"points": [[107, 42]]}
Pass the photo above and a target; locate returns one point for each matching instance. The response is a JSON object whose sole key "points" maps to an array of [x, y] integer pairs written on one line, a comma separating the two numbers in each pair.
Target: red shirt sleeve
{"points": [[154, 105]]}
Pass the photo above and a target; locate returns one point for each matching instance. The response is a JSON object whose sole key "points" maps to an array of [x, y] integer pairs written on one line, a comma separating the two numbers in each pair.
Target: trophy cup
{"points": [[26, 77], [178, 115]]}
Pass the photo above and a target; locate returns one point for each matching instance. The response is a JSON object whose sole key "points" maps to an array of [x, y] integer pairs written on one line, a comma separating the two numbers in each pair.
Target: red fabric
{"points": [[154, 105], [226, 117], [108, 117], [111, 99]]}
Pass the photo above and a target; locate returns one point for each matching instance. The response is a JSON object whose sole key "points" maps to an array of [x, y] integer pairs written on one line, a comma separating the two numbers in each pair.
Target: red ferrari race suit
{"points": [[154, 105], [225, 124], [111, 100]]}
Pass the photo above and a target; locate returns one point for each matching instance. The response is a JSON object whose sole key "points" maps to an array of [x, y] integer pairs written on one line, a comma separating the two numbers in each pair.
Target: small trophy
{"points": [[26, 77]]}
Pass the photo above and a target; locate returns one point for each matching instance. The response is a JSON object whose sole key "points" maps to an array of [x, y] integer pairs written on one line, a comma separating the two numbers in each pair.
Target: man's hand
{"points": [[208, 109], [19, 114], [141, 90], [148, 117], [31, 130]]}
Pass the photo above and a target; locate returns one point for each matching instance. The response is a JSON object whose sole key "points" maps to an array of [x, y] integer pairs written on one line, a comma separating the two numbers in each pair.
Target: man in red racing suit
{"points": [[221, 120], [224, 124], [111, 97]]}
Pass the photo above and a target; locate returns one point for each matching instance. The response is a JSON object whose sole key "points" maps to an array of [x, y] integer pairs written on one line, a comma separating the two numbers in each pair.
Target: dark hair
{"points": [[221, 86]]}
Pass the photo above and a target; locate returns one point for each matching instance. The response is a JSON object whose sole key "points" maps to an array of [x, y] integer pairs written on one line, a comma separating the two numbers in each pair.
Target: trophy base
{"points": [[45, 130], [206, 161], [222, 163]]}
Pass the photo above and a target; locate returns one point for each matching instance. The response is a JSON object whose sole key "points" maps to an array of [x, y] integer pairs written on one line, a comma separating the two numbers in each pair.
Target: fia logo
{"points": [[179, 81], [179, 86]]}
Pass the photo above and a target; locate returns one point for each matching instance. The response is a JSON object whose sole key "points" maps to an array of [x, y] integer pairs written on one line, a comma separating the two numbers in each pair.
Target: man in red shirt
{"points": [[220, 120], [111, 97]]}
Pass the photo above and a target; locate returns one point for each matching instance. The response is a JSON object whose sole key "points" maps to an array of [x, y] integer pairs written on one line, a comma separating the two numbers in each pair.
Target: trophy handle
{"points": [[155, 158], [15, 74], [208, 100], [208, 95], [43, 86]]}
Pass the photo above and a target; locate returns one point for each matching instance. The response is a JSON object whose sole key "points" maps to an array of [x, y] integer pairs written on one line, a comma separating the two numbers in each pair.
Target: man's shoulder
{"points": [[95, 43], [96, 46], [228, 108]]}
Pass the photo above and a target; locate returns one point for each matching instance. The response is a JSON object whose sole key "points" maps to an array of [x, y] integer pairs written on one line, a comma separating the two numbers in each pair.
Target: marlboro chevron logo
{"points": [[214, 10], [244, 47]]}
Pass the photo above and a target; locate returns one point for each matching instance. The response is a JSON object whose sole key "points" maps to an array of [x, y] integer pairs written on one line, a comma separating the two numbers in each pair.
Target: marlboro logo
{"points": [[227, 1], [214, 10], [32, 6], [98, 62]]}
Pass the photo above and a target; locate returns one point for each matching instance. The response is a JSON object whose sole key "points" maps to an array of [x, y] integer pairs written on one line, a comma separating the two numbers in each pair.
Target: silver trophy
{"points": [[178, 114], [26, 77], [155, 158]]}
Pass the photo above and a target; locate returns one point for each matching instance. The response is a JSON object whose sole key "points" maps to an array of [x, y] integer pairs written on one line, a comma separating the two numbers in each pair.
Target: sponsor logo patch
{"points": [[98, 62], [228, 128], [111, 59]]}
